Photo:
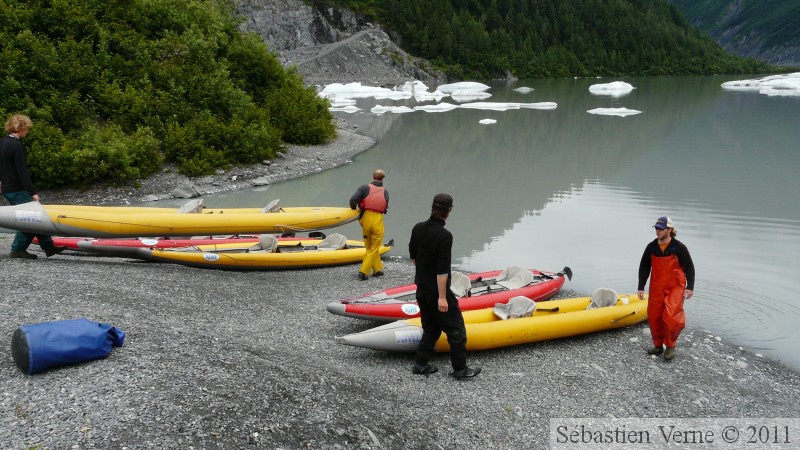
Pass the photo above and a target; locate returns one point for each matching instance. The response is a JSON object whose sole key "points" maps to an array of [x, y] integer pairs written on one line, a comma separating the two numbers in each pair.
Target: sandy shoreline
{"points": [[217, 359]]}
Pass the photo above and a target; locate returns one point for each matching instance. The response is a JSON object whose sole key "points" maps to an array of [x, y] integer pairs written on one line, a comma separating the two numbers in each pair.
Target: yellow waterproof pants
{"points": [[372, 227]]}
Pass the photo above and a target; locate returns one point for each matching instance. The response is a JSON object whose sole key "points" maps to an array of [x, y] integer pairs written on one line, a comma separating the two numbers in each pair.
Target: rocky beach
{"points": [[219, 359]]}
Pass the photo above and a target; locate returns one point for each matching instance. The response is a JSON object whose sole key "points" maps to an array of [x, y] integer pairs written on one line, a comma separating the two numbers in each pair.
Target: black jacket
{"points": [[14, 176]]}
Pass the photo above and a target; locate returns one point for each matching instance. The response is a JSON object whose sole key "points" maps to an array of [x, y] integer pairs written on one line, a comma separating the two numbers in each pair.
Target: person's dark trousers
{"points": [[434, 323], [23, 240]]}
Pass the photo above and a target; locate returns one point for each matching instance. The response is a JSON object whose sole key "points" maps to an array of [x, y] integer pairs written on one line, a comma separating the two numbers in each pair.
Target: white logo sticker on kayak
{"points": [[28, 216], [149, 242], [210, 257], [410, 309], [408, 337]]}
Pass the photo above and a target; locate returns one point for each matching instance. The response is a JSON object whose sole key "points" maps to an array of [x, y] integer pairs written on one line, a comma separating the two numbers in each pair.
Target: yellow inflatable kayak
{"points": [[269, 254], [110, 221], [551, 319]]}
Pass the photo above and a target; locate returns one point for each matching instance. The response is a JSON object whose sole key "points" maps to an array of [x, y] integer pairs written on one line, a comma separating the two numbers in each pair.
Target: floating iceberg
{"points": [[352, 90], [469, 96], [523, 90], [775, 85], [439, 107], [413, 87], [342, 102], [379, 109], [491, 106], [487, 121], [622, 112], [462, 86], [429, 96], [347, 109], [539, 105], [614, 89]]}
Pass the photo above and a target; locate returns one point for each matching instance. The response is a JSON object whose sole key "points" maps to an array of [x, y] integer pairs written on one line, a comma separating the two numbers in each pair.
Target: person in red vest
{"points": [[668, 264], [373, 201]]}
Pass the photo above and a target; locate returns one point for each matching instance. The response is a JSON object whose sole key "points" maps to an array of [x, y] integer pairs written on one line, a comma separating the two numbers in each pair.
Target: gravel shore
{"points": [[217, 359]]}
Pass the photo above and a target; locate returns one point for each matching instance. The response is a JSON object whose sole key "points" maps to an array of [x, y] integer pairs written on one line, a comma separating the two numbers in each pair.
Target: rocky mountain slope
{"points": [[767, 31], [331, 45]]}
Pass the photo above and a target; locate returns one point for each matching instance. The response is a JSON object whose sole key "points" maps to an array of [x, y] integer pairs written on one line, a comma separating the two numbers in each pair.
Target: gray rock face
{"points": [[332, 45]]}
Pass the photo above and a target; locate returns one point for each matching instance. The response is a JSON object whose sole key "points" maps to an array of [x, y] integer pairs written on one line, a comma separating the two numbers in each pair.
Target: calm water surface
{"points": [[545, 189]]}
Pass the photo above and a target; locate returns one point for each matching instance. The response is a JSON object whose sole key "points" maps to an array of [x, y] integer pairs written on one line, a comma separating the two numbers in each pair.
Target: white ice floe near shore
{"points": [[462, 86], [469, 96], [622, 112], [490, 106], [613, 89], [347, 109], [776, 85], [539, 105], [487, 121], [378, 109], [337, 91], [439, 107], [523, 90]]}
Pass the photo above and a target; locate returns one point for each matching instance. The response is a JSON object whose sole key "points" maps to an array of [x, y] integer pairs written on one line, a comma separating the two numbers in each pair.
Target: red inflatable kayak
{"points": [[86, 244], [475, 291]]}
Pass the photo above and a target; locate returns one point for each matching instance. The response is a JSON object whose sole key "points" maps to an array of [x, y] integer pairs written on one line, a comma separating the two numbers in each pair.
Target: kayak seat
{"points": [[460, 284], [516, 307], [272, 207], [191, 207], [335, 241], [266, 243], [515, 277], [603, 297]]}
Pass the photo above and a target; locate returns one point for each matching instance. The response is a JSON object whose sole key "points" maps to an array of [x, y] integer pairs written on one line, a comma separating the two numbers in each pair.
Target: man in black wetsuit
{"points": [[430, 248]]}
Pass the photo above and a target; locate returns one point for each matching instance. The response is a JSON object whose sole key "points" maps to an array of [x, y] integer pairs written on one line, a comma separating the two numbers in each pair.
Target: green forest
{"points": [[553, 38], [117, 87]]}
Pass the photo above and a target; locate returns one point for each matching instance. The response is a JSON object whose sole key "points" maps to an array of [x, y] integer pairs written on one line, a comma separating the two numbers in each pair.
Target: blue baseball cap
{"points": [[663, 223]]}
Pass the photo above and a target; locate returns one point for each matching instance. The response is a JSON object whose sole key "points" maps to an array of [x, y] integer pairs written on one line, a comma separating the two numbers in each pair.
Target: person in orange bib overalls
{"points": [[373, 201], [668, 264]]}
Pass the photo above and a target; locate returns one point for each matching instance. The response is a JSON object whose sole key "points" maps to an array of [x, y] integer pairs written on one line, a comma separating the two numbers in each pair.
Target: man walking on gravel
{"points": [[430, 249], [373, 201]]}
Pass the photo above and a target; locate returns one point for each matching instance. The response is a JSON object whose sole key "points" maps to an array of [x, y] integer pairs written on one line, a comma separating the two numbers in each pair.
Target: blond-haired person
{"points": [[16, 184]]}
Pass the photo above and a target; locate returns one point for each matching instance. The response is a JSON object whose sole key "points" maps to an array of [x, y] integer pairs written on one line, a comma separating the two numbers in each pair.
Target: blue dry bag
{"points": [[44, 345]]}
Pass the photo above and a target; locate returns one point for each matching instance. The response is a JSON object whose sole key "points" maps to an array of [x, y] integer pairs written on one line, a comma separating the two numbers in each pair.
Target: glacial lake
{"points": [[562, 187]]}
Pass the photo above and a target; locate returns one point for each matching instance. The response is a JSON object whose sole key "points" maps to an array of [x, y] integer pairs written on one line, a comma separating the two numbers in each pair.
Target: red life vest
{"points": [[375, 200]]}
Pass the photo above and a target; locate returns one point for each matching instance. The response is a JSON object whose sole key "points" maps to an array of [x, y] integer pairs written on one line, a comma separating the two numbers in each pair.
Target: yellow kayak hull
{"points": [[231, 257], [552, 319], [107, 222]]}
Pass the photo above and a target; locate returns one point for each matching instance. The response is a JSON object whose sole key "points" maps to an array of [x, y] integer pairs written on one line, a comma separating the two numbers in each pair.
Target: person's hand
{"points": [[689, 293], [35, 197], [443, 304], [641, 295]]}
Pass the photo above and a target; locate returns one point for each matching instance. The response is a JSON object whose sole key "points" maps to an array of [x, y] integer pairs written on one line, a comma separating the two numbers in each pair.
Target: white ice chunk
{"points": [[491, 106], [487, 121], [622, 112], [523, 89], [439, 107], [429, 96], [347, 109], [413, 87], [614, 89], [775, 85], [352, 90], [469, 96], [341, 102], [379, 109], [462, 85], [539, 105]]}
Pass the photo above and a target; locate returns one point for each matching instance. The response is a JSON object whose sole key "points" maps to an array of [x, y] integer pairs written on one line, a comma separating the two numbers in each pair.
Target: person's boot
{"points": [[655, 350], [378, 274], [669, 354], [362, 276], [54, 251], [23, 254], [426, 369], [466, 373]]}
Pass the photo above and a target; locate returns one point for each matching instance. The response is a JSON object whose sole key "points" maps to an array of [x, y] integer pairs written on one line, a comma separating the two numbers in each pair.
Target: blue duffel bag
{"points": [[44, 345]]}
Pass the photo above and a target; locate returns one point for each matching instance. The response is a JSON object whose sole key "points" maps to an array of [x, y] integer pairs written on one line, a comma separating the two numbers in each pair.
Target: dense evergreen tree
{"points": [[553, 38], [115, 87]]}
